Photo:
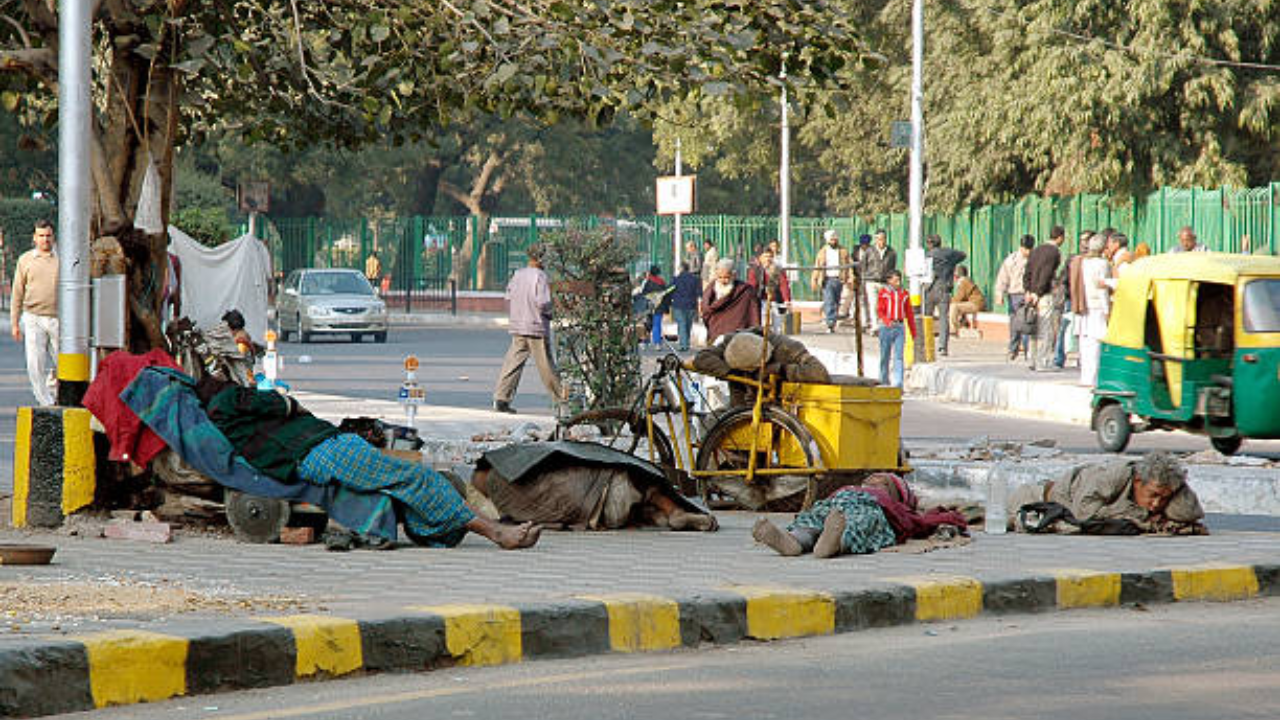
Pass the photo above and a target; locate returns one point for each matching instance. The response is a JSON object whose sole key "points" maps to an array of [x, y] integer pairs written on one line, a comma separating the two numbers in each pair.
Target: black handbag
{"points": [[1024, 320]]}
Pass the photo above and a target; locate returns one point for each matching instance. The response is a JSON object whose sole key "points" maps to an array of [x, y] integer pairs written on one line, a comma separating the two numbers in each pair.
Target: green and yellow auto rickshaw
{"points": [[1193, 343]]}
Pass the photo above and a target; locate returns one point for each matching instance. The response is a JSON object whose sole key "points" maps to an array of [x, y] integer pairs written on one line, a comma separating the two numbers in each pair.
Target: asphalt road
{"points": [[1168, 662]]}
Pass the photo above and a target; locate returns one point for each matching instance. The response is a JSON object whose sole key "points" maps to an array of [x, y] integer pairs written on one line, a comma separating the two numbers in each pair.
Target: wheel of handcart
{"points": [[782, 443], [621, 429], [256, 519]]}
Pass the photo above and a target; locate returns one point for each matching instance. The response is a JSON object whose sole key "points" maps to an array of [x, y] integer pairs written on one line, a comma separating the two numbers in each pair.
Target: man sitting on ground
{"points": [[1147, 495]]}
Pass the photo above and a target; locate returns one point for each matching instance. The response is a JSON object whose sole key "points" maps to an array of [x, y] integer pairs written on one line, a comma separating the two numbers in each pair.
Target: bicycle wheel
{"points": [[783, 442], [620, 429]]}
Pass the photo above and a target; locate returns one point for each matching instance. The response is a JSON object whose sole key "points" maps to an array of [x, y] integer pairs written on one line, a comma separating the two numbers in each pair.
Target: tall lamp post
{"points": [[74, 37], [784, 174], [916, 174]]}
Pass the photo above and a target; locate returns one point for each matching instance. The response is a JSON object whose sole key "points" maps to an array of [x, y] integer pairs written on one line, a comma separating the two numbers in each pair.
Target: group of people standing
{"points": [[1058, 302]]}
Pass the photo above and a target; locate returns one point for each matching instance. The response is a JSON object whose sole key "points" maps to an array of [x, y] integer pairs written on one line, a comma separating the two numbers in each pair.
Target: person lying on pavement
{"points": [[1149, 495], [859, 520], [582, 486], [279, 438]]}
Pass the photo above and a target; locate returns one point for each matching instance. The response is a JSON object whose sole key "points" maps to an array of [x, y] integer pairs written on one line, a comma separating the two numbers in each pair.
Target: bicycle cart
{"points": [[796, 440]]}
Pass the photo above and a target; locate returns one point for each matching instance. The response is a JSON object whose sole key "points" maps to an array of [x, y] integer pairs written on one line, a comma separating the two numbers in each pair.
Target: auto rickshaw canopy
{"points": [[1167, 280]]}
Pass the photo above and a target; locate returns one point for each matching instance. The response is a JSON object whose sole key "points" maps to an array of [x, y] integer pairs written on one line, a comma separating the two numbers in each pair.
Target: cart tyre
{"points": [[609, 418], [256, 519], [1227, 445], [732, 421], [1113, 428]]}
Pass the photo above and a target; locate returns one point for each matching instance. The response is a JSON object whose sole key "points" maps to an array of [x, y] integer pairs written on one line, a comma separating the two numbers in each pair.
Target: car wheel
{"points": [[1113, 429], [303, 335], [380, 337]]}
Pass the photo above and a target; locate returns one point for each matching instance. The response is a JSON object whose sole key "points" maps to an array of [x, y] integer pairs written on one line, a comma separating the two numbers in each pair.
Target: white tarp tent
{"points": [[234, 275]]}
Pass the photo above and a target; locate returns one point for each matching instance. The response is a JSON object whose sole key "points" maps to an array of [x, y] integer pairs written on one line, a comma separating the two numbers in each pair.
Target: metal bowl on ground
{"points": [[18, 554]]}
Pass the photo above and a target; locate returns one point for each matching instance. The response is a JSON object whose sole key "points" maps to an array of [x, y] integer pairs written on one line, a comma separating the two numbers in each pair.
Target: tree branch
{"points": [[22, 32], [456, 193], [491, 165], [41, 15]]}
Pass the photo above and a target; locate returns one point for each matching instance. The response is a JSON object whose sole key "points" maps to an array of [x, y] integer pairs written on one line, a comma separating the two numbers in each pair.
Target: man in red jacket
{"points": [[893, 309]]}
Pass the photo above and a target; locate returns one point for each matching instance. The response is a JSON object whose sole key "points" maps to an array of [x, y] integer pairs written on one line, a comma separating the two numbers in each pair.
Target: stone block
{"points": [[153, 532]]}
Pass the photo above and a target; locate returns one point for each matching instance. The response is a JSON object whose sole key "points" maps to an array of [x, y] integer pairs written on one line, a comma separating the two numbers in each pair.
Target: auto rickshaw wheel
{"points": [[1112, 428], [1227, 444]]}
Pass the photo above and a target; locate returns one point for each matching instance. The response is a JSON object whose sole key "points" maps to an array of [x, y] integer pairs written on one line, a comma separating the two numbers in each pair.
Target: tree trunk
{"points": [[138, 126], [479, 201]]}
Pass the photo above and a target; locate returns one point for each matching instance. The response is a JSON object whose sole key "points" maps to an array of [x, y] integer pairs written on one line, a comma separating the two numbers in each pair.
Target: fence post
{"points": [[453, 296]]}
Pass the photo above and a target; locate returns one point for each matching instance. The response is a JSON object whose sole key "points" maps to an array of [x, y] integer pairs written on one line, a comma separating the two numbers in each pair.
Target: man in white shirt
{"points": [[829, 278]]}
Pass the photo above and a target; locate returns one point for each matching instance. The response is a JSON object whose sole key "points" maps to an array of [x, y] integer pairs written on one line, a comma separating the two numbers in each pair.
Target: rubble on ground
{"points": [[985, 449]]}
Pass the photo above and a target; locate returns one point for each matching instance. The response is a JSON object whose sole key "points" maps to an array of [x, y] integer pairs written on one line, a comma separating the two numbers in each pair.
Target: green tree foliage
{"points": [[1022, 96]]}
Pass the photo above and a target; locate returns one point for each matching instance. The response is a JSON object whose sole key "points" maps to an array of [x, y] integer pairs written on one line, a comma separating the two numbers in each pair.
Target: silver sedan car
{"points": [[324, 301]]}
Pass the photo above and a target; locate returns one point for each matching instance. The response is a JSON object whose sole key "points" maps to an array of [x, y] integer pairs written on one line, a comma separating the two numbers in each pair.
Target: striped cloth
{"points": [[866, 529], [434, 514]]}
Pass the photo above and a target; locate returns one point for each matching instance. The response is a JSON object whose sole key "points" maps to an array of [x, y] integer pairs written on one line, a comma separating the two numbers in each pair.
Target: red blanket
{"points": [[130, 439]]}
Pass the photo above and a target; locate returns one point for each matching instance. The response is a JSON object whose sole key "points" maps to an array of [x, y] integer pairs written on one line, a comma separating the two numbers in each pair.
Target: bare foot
{"points": [[681, 520], [831, 541], [515, 537], [765, 532]]}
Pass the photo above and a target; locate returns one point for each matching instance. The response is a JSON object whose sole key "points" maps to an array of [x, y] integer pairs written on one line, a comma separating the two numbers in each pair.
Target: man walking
{"points": [[893, 309], [829, 278], [529, 298], [1042, 266], [684, 302], [1009, 284], [33, 311], [879, 261], [710, 259], [938, 295]]}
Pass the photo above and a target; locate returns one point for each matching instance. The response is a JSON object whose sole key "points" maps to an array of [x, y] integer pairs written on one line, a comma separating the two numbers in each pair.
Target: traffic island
{"points": [[118, 667]]}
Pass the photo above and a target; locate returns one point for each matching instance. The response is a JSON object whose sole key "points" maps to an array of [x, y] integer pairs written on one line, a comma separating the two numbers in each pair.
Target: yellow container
{"points": [[930, 348], [856, 427]]}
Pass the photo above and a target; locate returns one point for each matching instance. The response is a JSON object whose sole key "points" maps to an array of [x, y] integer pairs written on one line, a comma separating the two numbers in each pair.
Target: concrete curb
{"points": [[1048, 400], [120, 667]]}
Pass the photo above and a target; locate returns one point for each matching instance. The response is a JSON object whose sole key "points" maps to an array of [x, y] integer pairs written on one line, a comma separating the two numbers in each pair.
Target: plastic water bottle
{"points": [[997, 518]]}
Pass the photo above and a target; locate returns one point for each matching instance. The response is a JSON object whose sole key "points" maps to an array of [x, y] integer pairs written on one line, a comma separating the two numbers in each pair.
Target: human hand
{"points": [[17, 332]]}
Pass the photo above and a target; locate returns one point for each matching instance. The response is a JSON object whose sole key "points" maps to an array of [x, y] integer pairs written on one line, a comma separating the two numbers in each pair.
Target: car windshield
{"points": [[335, 283], [1262, 306]]}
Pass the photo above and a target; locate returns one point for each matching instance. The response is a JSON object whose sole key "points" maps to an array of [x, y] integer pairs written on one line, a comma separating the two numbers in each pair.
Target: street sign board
{"points": [[900, 134], [254, 196], [675, 195], [413, 394]]}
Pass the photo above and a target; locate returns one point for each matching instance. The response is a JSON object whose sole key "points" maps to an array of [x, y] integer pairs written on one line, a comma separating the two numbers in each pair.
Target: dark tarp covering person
{"points": [[583, 485]]}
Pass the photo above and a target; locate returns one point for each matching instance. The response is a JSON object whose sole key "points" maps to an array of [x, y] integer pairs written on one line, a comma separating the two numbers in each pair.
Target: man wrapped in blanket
{"points": [[284, 441]]}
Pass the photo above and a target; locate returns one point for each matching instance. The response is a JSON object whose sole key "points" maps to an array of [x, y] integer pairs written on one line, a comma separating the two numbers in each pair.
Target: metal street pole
{"points": [[784, 185], [74, 37], [916, 177], [679, 243]]}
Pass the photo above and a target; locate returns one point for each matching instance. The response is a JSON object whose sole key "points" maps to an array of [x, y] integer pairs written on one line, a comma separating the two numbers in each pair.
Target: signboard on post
{"points": [[900, 134], [254, 196], [675, 194]]}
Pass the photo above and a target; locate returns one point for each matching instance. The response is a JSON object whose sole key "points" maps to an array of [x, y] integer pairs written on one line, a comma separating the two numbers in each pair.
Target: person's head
{"points": [[724, 270], [933, 242], [42, 237], [707, 244], [774, 246], [894, 279], [882, 238], [1156, 478], [655, 271], [1187, 238], [1057, 235], [690, 246], [864, 239], [1025, 244], [233, 319], [684, 266], [961, 272], [1142, 250], [535, 255], [896, 487], [1097, 244], [766, 257], [830, 238]]}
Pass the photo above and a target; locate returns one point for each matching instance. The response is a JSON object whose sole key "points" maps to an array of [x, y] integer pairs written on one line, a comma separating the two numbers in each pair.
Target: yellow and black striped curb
{"points": [[53, 465], [44, 676]]}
